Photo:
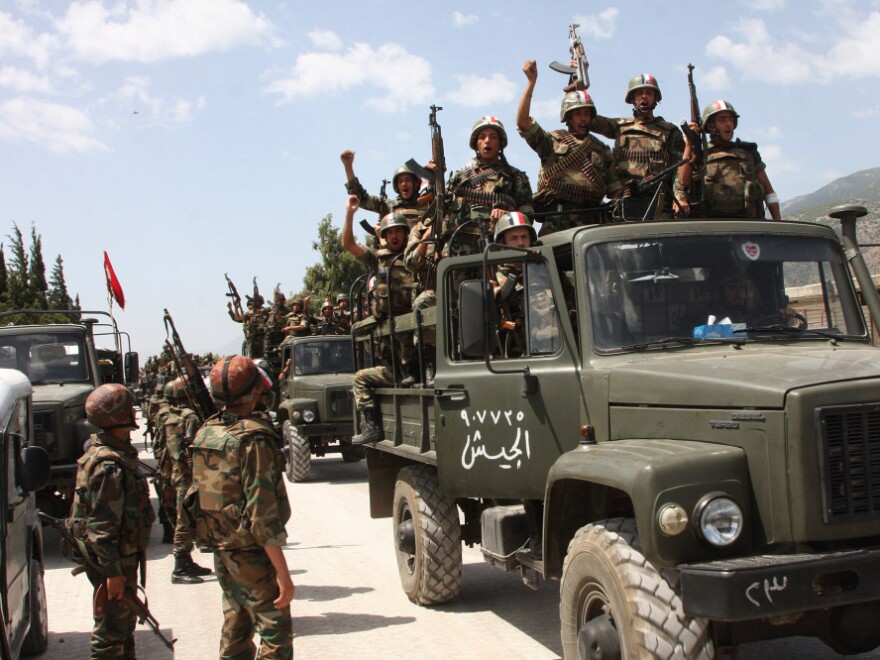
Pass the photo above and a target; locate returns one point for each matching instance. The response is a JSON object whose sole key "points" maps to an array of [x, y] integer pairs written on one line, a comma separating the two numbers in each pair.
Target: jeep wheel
{"points": [[352, 454], [299, 453], [38, 634], [427, 537], [614, 604]]}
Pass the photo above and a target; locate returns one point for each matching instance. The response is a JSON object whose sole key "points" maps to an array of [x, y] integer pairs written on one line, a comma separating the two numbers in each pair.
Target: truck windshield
{"points": [[715, 287], [322, 357], [46, 357]]}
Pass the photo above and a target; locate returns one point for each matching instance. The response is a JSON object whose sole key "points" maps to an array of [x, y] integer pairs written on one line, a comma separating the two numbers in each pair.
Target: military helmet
{"points": [[110, 406], [233, 380], [327, 303], [574, 100], [297, 300], [488, 122], [178, 389], [403, 169], [341, 297], [393, 219], [642, 81], [168, 391], [719, 106], [511, 220]]}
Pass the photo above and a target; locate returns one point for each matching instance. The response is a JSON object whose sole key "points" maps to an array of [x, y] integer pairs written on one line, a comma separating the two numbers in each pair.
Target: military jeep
{"points": [[315, 406], [699, 472]]}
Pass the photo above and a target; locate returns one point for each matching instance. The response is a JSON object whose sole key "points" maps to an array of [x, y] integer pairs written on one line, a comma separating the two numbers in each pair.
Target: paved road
{"points": [[348, 599]]}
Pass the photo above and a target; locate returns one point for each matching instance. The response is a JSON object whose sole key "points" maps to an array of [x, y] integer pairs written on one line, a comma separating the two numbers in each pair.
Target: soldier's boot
{"points": [[194, 569], [181, 573], [373, 431], [412, 370]]}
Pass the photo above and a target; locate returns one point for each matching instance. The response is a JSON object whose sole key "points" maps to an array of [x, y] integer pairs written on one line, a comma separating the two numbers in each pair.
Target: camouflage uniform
{"points": [[424, 267], [342, 319], [256, 333], [642, 148], [401, 281], [165, 492], [237, 474], [180, 428], [412, 208], [476, 190], [303, 319], [365, 381], [111, 512], [576, 173], [730, 185]]}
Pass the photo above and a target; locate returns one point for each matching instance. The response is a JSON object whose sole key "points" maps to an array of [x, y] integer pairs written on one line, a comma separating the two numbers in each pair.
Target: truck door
{"points": [[15, 526], [502, 421]]}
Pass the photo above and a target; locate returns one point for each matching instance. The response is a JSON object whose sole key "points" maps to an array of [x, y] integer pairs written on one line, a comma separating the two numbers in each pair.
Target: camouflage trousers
{"points": [[113, 633], [183, 538], [167, 497], [247, 578], [365, 381]]}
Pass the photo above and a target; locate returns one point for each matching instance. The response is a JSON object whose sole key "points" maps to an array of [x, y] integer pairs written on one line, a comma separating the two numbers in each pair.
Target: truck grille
{"points": [[850, 451], [340, 403], [44, 430]]}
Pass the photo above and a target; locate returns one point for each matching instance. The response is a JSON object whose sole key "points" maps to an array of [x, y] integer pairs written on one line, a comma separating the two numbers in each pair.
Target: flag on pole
{"points": [[113, 286]]}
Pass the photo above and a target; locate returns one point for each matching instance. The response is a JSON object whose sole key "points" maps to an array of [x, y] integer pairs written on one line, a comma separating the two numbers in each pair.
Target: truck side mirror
{"points": [[472, 318], [132, 368], [34, 468]]}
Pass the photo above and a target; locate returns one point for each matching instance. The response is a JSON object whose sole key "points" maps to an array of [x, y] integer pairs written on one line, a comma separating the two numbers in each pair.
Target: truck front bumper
{"points": [[772, 585], [334, 429]]}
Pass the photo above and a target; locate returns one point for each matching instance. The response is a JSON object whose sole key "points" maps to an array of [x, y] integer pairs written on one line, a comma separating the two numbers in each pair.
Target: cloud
{"points": [[18, 40], [135, 95], [326, 39], [714, 80], [463, 20], [776, 161], [856, 54], [761, 56], [867, 113], [547, 110], [59, 128], [601, 25], [475, 91], [403, 78], [23, 81], [765, 5], [155, 30]]}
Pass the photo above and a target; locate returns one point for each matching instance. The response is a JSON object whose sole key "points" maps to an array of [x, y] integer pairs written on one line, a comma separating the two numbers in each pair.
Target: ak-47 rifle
{"points": [[256, 295], [438, 155], [139, 606], [578, 76], [196, 391], [236, 299], [383, 195], [698, 145]]}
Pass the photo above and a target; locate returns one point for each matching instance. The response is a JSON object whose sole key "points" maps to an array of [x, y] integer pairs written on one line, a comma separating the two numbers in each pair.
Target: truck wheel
{"points": [[299, 457], [38, 635], [427, 537], [352, 454], [614, 604]]}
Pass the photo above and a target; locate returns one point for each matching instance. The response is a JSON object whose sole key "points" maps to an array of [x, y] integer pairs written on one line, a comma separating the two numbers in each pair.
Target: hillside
{"points": [[846, 186]]}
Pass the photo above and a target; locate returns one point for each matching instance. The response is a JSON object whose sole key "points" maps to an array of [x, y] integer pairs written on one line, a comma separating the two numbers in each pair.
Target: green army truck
{"points": [[699, 482], [64, 362], [315, 405]]}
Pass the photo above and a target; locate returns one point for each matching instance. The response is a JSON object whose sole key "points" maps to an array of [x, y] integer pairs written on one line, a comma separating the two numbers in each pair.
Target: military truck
{"points": [[699, 482], [24, 469], [315, 405], [64, 365]]}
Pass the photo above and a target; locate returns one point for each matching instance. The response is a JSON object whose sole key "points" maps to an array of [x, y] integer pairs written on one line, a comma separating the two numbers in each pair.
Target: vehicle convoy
{"points": [[315, 406], [24, 469], [64, 365], [704, 483]]}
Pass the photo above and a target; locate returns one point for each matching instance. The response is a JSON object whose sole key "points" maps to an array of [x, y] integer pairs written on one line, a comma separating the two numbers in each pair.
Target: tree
{"points": [[37, 287], [58, 296], [3, 280], [336, 271], [17, 278]]}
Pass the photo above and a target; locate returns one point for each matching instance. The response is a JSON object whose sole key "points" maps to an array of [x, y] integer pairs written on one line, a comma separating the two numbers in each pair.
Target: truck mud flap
{"points": [[771, 585]]}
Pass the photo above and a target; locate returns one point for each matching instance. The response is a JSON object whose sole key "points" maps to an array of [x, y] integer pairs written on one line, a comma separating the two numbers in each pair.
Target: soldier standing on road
{"points": [[244, 508], [180, 429], [406, 184], [165, 492], [735, 183], [644, 145], [576, 168], [111, 513]]}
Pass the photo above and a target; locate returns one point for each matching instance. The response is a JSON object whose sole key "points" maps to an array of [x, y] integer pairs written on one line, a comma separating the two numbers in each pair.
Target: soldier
{"points": [[735, 183], [576, 168], [516, 230], [112, 515], [165, 492], [180, 429], [327, 323], [405, 183], [644, 145], [486, 188], [243, 508], [257, 329], [298, 321], [341, 314]]}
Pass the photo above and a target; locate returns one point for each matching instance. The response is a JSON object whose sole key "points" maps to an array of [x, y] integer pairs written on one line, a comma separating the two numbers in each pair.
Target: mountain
{"points": [[847, 186]]}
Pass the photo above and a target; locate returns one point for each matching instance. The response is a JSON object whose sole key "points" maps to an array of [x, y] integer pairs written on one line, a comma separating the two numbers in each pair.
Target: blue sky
{"points": [[190, 138]]}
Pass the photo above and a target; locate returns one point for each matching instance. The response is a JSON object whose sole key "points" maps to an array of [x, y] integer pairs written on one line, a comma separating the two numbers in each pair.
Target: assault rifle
{"points": [[578, 76], [139, 606], [236, 299], [438, 155], [383, 195], [698, 145], [196, 390], [256, 295]]}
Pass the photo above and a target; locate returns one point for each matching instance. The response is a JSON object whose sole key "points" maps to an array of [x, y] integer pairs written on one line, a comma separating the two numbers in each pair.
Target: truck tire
{"points": [[37, 638], [614, 604], [427, 536], [299, 456]]}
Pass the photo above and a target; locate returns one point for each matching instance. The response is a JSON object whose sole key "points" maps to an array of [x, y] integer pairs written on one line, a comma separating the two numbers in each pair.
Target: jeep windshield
{"points": [[46, 357], [322, 357], [686, 290]]}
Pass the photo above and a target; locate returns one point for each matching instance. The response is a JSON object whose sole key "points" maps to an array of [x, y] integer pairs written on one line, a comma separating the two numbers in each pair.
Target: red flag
{"points": [[114, 288]]}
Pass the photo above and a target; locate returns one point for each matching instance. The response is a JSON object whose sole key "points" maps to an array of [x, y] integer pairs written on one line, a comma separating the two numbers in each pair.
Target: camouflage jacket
{"points": [[573, 169], [423, 266], [730, 184], [237, 473], [180, 429], [160, 442], [641, 147], [300, 319], [413, 208], [478, 188], [111, 504], [402, 284]]}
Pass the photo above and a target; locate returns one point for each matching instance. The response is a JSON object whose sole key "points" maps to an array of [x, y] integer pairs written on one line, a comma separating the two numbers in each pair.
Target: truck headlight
{"points": [[719, 519], [672, 519], [308, 416]]}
